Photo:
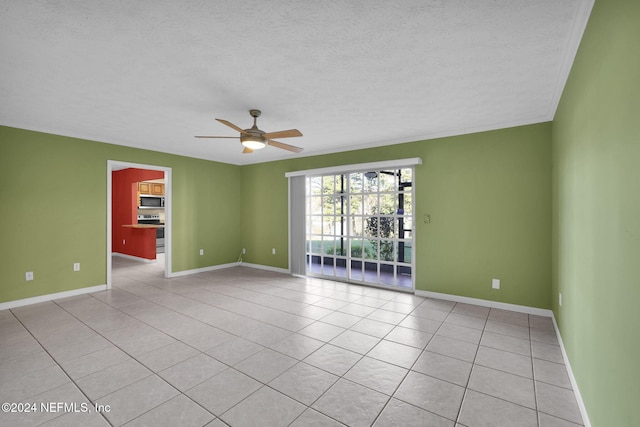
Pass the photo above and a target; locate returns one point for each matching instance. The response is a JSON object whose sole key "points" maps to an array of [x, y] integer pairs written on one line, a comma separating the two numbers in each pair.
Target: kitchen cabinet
{"points": [[152, 188], [157, 189], [144, 187]]}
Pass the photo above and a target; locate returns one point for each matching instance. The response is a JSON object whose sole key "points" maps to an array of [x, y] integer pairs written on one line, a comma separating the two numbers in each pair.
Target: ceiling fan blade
{"points": [[283, 134], [247, 150], [231, 125], [284, 146], [206, 136]]}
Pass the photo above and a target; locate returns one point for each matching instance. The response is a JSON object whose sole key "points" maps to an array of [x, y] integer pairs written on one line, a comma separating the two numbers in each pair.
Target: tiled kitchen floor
{"points": [[246, 347]]}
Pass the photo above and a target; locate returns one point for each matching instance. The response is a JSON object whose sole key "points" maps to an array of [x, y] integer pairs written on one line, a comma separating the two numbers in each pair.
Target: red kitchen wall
{"points": [[124, 193]]}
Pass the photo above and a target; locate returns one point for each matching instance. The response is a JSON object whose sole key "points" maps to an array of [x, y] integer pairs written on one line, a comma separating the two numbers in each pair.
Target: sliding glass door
{"points": [[359, 226]]}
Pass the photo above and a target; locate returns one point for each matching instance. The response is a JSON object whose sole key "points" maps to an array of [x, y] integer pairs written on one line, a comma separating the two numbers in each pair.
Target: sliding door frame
{"points": [[297, 234]]}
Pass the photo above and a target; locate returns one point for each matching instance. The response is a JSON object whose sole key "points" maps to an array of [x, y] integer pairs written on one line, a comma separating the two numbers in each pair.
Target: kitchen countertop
{"points": [[144, 225]]}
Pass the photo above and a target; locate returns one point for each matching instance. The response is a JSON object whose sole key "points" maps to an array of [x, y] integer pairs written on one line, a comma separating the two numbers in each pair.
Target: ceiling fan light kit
{"points": [[252, 142], [256, 139]]}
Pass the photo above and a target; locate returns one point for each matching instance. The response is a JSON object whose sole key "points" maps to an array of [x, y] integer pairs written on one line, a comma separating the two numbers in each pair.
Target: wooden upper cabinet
{"points": [[157, 189], [152, 188], [144, 187]]}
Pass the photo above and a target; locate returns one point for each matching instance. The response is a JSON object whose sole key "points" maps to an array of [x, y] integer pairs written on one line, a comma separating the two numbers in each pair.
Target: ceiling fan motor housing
{"points": [[255, 139]]}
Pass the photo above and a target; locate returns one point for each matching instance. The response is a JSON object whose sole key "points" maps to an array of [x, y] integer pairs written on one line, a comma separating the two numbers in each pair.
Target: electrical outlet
{"points": [[560, 299], [244, 251], [495, 283], [76, 266], [273, 251], [124, 242], [28, 276], [201, 251]]}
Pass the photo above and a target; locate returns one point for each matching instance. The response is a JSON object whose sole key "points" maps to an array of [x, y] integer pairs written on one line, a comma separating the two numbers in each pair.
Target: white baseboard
{"points": [[265, 267], [203, 269], [572, 379], [136, 258], [49, 297], [487, 303]]}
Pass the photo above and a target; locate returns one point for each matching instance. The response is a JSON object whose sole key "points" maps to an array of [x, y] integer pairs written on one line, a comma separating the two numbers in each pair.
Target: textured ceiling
{"points": [[348, 74]]}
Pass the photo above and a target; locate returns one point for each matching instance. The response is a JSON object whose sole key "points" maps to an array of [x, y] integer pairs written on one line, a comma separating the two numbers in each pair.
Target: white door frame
{"points": [[113, 165]]}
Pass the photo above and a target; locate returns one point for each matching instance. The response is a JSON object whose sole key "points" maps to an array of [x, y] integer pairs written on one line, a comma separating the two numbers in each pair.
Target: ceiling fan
{"points": [[255, 139]]}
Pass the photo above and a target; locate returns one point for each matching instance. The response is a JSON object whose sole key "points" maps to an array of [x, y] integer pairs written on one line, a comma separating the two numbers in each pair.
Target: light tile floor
{"points": [[246, 347]]}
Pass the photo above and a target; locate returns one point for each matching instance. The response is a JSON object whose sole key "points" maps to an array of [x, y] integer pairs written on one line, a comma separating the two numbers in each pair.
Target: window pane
{"points": [[387, 180], [386, 275], [316, 205], [316, 264], [407, 204], [315, 185], [316, 224], [371, 226], [386, 250], [342, 246], [371, 204], [328, 184], [407, 223], [328, 207], [404, 251], [387, 226], [356, 248], [406, 175], [387, 204], [356, 226], [341, 267], [371, 272], [329, 225], [356, 271], [370, 182], [324, 246], [341, 226], [327, 265], [403, 276], [355, 205], [355, 183], [316, 245], [371, 249]]}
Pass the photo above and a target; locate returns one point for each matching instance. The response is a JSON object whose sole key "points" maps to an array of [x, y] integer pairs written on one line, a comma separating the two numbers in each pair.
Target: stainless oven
{"points": [[154, 219]]}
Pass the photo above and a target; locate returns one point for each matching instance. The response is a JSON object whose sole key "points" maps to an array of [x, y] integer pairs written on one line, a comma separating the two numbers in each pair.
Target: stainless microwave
{"points": [[151, 201]]}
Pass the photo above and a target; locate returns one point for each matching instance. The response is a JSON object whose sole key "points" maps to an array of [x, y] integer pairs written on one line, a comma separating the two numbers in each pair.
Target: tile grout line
{"points": [[533, 376], [133, 358], [59, 366], [408, 370], [473, 363]]}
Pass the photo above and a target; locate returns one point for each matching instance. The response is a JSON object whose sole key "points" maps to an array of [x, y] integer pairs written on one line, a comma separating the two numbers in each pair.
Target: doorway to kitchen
{"points": [[142, 217]]}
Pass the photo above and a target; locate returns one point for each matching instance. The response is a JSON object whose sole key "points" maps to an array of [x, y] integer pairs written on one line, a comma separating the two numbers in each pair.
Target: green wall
{"points": [[54, 191], [596, 214], [488, 195]]}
